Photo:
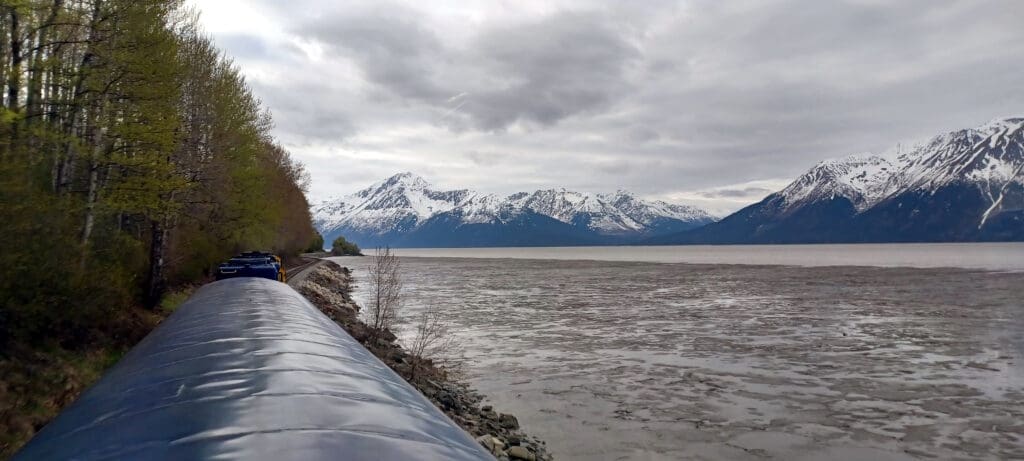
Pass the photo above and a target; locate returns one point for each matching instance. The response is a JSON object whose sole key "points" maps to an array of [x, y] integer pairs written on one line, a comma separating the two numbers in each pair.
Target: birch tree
{"points": [[133, 155]]}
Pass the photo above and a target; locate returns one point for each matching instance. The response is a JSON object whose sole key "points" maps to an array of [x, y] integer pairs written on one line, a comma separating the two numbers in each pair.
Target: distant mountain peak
{"points": [[1003, 123], [405, 179], [859, 178]]}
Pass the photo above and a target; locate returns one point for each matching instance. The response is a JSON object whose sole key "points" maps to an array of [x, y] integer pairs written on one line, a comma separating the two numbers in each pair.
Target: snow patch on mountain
{"points": [[991, 152], [858, 178]]}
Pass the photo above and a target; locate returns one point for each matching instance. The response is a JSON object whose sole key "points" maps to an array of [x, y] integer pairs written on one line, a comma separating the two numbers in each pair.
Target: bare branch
{"points": [[386, 292], [434, 343]]}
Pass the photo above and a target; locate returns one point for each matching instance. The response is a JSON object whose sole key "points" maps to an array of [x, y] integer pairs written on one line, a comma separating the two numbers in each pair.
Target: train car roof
{"points": [[248, 369]]}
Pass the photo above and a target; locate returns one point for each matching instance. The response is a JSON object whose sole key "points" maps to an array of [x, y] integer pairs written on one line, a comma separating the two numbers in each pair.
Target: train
{"points": [[248, 369], [253, 264]]}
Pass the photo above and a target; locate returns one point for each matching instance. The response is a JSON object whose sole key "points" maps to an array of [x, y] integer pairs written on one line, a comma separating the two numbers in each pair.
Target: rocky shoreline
{"points": [[328, 287]]}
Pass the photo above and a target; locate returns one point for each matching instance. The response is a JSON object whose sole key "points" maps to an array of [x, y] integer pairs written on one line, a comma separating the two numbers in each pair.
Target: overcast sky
{"points": [[707, 102]]}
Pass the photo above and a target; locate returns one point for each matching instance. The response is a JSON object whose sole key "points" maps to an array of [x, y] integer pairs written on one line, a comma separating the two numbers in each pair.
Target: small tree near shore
{"points": [[385, 293], [316, 244], [432, 341], [342, 247]]}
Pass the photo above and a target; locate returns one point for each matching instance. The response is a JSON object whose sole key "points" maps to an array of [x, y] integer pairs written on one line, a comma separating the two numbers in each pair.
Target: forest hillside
{"points": [[133, 158]]}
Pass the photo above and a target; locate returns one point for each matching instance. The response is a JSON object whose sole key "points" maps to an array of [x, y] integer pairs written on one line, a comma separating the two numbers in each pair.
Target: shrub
{"points": [[316, 245], [342, 247]]}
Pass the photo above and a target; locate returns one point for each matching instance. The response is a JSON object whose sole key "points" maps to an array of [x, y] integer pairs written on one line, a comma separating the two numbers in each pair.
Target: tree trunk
{"points": [[75, 107], [98, 152], [4, 58], [33, 91], [34, 97], [157, 252], [14, 79], [90, 206]]}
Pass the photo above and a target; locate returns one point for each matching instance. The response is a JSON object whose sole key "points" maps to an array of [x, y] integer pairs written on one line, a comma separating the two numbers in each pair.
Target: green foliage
{"points": [[174, 299], [44, 291], [316, 245], [43, 382], [133, 156], [8, 117], [342, 247]]}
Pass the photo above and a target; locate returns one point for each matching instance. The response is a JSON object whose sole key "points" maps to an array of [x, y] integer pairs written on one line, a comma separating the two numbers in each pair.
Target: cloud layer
{"points": [[701, 100]]}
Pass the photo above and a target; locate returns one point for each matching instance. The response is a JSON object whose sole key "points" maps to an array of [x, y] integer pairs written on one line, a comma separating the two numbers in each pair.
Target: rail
{"points": [[248, 369], [294, 271]]}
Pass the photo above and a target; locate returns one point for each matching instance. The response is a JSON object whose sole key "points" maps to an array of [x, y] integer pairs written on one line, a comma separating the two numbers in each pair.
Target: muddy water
{"points": [[1001, 256], [621, 360]]}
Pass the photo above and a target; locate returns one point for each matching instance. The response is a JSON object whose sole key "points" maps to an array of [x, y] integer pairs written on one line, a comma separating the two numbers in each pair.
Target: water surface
{"points": [[634, 360], [991, 256]]}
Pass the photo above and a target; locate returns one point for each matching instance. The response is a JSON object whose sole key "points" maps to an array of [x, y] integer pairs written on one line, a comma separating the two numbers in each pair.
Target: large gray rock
{"points": [[521, 453], [508, 421]]}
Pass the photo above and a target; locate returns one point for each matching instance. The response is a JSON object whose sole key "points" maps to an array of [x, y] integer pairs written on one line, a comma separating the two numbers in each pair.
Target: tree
{"points": [[342, 247], [432, 341], [385, 293], [133, 156], [316, 245]]}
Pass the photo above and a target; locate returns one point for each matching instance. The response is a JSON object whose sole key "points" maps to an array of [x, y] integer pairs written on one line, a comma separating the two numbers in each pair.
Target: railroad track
{"points": [[296, 273]]}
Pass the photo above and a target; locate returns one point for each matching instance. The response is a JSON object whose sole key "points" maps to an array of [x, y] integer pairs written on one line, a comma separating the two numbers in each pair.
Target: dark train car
{"points": [[248, 369]]}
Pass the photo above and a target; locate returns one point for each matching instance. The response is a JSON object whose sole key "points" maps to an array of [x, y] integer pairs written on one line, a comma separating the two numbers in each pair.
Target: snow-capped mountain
{"points": [[405, 210], [860, 178], [385, 210], [964, 185]]}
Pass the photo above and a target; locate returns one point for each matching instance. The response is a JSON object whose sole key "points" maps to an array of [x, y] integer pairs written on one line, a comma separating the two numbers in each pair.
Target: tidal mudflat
{"points": [[624, 360]]}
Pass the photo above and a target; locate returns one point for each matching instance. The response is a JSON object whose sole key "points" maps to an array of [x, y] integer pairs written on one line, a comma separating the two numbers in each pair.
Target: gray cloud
{"points": [[661, 97], [736, 193], [306, 119], [391, 47], [518, 72], [539, 81], [245, 46]]}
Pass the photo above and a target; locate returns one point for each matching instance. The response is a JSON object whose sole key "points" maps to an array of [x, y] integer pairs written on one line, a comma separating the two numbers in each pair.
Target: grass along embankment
{"points": [[38, 380], [328, 287]]}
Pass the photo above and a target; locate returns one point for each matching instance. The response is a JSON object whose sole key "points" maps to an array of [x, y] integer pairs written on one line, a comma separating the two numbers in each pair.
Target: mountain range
{"points": [[965, 185], [407, 211]]}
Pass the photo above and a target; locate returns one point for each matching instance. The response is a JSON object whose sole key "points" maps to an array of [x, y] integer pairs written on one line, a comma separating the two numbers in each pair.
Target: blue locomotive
{"points": [[253, 264]]}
